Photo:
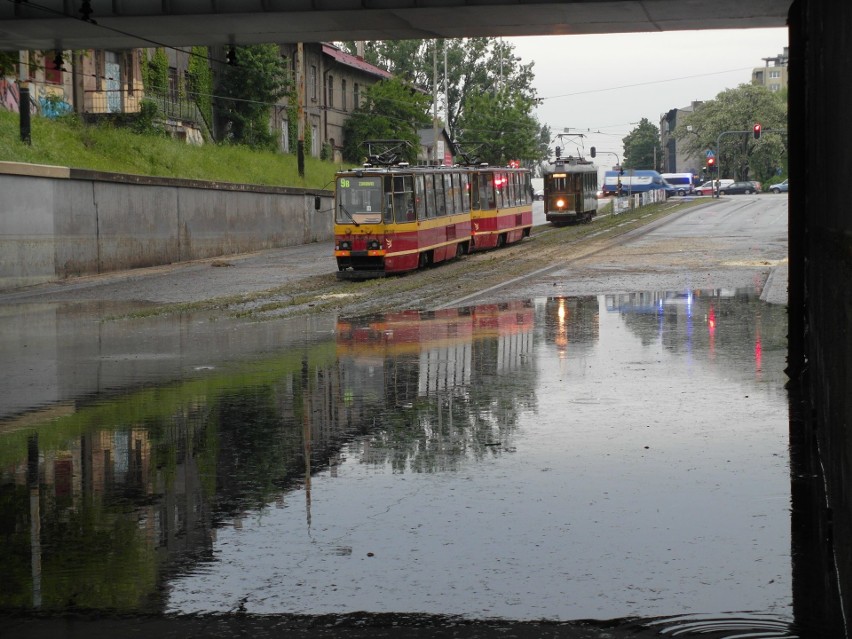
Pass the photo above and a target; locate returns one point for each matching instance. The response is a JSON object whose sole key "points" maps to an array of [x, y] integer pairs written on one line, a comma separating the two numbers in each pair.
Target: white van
{"points": [[684, 183]]}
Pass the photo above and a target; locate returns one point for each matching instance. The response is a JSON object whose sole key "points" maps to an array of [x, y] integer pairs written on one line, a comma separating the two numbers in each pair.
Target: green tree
{"points": [[8, 63], [474, 65], [246, 92], [390, 110], [498, 127], [544, 137], [642, 147], [740, 156]]}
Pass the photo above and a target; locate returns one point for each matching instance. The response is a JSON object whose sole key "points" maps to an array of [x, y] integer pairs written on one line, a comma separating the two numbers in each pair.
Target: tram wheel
{"points": [[501, 240], [423, 262], [459, 249]]}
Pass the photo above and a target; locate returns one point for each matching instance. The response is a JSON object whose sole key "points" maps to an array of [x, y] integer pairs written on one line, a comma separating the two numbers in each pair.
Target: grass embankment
{"points": [[69, 142]]}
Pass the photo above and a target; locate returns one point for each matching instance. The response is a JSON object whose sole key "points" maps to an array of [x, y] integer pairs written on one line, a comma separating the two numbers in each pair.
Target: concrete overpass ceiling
{"points": [[122, 24]]}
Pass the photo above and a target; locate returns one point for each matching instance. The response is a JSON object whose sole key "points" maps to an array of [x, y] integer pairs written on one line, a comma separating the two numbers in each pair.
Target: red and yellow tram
{"points": [[501, 206], [398, 218]]}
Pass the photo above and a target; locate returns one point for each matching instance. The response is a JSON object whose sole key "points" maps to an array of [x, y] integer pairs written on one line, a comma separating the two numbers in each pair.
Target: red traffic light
{"points": [[711, 161], [756, 130]]}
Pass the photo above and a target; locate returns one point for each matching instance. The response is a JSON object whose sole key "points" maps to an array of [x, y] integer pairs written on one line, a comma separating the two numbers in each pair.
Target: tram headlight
{"points": [[374, 245], [560, 203], [343, 246]]}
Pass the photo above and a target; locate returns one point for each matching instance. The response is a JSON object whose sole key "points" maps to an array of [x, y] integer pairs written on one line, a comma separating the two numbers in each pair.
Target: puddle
{"points": [[561, 459]]}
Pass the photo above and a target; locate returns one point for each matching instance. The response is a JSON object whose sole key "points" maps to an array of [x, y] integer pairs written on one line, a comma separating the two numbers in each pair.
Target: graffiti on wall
{"points": [[49, 102], [52, 103]]}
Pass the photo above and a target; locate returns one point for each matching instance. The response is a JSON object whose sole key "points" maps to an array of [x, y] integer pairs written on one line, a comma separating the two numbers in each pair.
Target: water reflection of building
{"points": [[105, 511], [438, 384], [104, 504]]}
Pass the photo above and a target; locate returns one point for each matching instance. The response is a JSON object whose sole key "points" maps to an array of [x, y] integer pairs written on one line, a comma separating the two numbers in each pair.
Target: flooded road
{"points": [[597, 457], [569, 456]]}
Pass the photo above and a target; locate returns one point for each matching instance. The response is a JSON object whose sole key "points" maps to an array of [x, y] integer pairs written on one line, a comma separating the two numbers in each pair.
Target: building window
{"points": [[312, 81], [774, 74], [356, 96], [330, 96], [774, 87], [343, 94], [315, 145], [52, 70], [130, 60]]}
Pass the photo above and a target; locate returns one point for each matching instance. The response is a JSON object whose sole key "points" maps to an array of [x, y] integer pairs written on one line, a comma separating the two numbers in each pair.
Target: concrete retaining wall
{"points": [[57, 222]]}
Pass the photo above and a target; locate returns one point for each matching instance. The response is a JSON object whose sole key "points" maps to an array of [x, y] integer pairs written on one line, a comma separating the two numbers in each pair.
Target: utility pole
{"points": [[300, 110], [435, 102], [446, 95], [24, 106]]}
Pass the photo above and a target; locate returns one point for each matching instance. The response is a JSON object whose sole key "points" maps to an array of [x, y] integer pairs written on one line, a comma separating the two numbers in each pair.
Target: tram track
{"points": [[458, 282]]}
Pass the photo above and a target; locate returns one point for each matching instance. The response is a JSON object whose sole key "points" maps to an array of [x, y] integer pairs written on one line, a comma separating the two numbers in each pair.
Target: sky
{"points": [[603, 85]]}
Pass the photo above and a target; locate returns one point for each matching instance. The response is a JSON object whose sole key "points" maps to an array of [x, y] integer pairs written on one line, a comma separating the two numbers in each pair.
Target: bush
{"points": [[146, 120]]}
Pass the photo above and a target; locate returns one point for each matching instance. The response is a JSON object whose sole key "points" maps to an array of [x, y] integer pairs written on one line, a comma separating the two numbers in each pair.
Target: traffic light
{"points": [[756, 130], [711, 164]]}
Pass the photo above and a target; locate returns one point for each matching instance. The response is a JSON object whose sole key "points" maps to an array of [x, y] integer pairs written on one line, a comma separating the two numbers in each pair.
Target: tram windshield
{"points": [[359, 200]]}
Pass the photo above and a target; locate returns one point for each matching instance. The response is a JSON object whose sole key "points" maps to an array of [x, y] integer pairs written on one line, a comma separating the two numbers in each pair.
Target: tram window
{"points": [[448, 192], [486, 191], [440, 198], [473, 185], [430, 196], [500, 189], [465, 191], [388, 206], [403, 198], [419, 197]]}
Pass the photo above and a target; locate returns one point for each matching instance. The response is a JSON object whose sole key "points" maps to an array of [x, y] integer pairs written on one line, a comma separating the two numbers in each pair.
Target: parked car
{"points": [[538, 194], [781, 187], [738, 188], [707, 187]]}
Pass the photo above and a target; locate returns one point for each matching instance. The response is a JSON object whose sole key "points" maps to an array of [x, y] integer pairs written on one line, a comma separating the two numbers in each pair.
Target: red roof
{"points": [[354, 61]]}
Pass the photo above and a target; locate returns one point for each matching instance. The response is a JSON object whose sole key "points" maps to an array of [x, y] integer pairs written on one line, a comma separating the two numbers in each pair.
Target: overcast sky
{"points": [[602, 85]]}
